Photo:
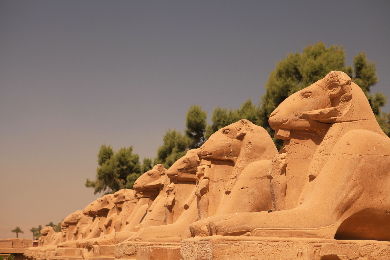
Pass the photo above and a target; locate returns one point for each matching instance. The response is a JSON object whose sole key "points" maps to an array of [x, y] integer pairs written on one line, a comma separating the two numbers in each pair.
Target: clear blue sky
{"points": [[77, 74]]}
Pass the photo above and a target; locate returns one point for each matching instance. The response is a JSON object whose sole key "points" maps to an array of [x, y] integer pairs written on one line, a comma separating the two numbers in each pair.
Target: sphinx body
{"points": [[125, 201], [344, 191], [248, 149], [178, 203]]}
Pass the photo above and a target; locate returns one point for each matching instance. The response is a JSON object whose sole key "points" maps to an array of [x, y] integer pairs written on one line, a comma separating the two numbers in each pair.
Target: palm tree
{"points": [[17, 230], [51, 224], [36, 232]]}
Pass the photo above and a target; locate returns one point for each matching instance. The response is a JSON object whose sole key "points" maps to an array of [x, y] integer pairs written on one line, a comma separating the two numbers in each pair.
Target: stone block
{"points": [[148, 250], [219, 248]]}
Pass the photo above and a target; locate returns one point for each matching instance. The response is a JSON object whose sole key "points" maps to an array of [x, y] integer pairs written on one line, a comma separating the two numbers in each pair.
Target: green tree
{"points": [[250, 112], [36, 232], [51, 224], [364, 72], [196, 126], [17, 230], [146, 165], [300, 70], [105, 154], [113, 170], [127, 162], [175, 146], [131, 178], [57, 228]]}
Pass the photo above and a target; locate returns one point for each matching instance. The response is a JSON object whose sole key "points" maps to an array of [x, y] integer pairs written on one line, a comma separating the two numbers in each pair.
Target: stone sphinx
{"points": [[125, 201], [104, 211], [47, 235], [341, 190], [74, 226], [155, 213], [234, 162], [148, 187], [178, 204]]}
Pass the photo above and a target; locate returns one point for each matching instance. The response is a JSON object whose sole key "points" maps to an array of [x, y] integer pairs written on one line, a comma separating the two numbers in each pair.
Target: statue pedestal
{"points": [[220, 247], [148, 250]]}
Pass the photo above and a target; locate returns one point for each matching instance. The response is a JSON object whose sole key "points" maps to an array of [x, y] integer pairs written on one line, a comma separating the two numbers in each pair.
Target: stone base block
{"points": [[220, 247], [148, 250], [99, 252], [68, 253]]}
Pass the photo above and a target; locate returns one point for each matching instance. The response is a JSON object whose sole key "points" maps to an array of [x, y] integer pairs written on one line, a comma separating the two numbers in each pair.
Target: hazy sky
{"points": [[77, 74]]}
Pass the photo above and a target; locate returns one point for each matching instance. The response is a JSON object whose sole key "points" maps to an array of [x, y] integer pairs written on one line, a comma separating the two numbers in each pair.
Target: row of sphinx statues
{"points": [[329, 180]]}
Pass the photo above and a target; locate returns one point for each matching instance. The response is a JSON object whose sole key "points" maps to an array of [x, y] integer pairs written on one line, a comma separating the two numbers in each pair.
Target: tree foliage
{"points": [[364, 72], [175, 146], [147, 165], [196, 126], [36, 232], [114, 169], [17, 230]]}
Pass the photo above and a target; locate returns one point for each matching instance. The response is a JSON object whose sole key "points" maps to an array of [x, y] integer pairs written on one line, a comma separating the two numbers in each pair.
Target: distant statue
{"points": [[342, 188], [47, 235], [48, 241]]}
